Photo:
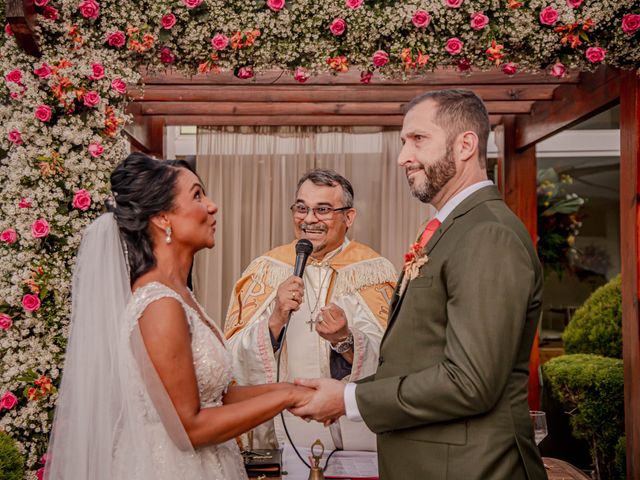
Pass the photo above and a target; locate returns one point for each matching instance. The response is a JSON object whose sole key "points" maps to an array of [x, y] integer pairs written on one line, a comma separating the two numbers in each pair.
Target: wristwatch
{"points": [[343, 345]]}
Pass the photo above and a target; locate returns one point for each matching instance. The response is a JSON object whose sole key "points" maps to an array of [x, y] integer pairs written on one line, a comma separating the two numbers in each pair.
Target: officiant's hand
{"points": [[327, 403], [289, 297], [332, 324]]}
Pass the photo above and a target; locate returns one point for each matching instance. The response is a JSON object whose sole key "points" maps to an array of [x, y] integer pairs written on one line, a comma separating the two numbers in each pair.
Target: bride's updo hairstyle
{"points": [[142, 187]]}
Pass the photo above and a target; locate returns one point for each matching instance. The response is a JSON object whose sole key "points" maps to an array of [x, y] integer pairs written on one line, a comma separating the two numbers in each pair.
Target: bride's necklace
{"points": [[323, 275]]}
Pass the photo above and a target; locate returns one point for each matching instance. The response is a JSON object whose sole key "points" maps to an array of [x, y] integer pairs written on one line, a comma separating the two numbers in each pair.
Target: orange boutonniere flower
{"points": [[414, 259]]}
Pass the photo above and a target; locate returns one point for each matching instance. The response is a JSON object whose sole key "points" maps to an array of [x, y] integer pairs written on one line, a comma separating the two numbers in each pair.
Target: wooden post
{"points": [[21, 16], [629, 236], [517, 182]]}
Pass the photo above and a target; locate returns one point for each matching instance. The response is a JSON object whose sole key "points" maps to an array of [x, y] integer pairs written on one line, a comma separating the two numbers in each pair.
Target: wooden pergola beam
{"points": [[630, 261], [21, 16], [571, 104], [146, 134], [301, 108], [328, 93]]}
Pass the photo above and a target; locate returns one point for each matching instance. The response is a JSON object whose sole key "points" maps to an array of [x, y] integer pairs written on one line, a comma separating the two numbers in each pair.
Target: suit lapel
{"points": [[483, 195]]}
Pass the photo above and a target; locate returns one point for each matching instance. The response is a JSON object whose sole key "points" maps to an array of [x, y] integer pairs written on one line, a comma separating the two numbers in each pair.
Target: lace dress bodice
{"points": [[212, 364]]}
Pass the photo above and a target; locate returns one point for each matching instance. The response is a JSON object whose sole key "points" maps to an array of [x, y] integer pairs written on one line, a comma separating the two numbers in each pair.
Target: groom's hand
{"points": [[327, 404]]}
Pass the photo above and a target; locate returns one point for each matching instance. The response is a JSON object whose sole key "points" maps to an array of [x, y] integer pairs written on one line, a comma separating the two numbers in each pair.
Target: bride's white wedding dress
{"points": [[212, 363]]}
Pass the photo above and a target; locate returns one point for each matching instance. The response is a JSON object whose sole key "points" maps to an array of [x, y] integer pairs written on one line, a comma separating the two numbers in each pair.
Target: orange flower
{"points": [[339, 64], [45, 384], [514, 3], [32, 394], [494, 52]]}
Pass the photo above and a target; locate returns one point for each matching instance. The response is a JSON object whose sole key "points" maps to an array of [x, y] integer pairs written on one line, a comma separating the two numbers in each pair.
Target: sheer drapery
{"points": [[251, 174]]}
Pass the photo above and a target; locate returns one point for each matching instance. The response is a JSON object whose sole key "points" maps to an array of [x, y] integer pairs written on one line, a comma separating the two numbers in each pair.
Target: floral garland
{"points": [[61, 117]]}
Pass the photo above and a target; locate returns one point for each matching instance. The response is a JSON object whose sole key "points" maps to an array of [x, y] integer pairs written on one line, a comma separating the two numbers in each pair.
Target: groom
{"points": [[449, 398]]}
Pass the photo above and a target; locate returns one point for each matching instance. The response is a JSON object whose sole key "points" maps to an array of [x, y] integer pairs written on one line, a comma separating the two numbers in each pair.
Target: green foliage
{"points": [[591, 390], [596, 327], [621, 457], [11, 462]]}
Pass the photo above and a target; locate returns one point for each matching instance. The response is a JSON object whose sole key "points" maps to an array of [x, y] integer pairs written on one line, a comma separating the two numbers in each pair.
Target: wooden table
{"points": [[561, 470]]}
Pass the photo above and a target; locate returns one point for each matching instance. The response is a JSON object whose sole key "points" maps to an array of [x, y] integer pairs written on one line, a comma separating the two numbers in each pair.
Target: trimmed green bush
{"points": [[621, 457], [11, 462], [591, 390], [596, 327]]}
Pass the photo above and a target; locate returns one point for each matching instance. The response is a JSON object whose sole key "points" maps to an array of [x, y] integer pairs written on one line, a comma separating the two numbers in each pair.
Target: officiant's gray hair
{"points": [[329, 178], [459, 111]]}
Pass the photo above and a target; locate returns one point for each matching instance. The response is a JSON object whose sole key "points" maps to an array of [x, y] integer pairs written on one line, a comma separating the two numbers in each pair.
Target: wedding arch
{"points": [[84, 77]]}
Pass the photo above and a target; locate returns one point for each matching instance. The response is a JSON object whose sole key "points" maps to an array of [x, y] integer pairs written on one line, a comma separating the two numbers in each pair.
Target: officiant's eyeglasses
{"points": [[300, 210]]}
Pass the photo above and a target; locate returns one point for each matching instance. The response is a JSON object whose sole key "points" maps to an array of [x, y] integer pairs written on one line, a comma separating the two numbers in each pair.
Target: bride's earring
{"points": [[167, 231]]}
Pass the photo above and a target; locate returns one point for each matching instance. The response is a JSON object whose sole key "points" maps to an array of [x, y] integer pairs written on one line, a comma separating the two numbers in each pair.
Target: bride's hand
{"points": [[300, 396]]}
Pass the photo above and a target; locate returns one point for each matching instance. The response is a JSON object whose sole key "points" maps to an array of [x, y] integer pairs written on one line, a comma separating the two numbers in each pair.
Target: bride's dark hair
{"points": [[142, 187]]}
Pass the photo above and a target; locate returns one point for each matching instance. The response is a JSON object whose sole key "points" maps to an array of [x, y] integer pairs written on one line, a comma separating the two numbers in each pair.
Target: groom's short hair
{"points": [[459, 111]]}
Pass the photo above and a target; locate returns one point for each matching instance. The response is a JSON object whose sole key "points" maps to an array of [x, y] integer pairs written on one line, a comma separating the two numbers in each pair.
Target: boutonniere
{"points": [[415, 258]]}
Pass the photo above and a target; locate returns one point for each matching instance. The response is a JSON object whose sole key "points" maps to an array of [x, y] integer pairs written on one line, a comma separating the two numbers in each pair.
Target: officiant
{"points": [[338, 311]]}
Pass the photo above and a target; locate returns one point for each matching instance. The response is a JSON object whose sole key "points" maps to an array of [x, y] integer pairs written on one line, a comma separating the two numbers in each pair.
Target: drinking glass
{"points": [[539, 420]]}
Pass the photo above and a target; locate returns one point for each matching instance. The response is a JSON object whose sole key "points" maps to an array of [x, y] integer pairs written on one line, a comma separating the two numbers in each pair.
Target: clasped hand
{"points": [[325, 403]]}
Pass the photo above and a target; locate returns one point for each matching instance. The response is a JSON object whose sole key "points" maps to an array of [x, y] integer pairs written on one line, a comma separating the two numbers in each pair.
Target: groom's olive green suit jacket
{"points": [[449, 398]]}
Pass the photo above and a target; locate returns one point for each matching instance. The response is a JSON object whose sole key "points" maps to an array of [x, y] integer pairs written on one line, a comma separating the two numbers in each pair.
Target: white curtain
{"points": [[251, 174]]}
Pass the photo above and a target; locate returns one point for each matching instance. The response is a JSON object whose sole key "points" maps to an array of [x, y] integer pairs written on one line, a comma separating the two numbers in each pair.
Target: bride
{"points": [[147, 389]]}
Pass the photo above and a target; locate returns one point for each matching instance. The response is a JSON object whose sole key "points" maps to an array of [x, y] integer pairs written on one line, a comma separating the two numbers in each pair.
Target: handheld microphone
{"points": [[303, 249]]}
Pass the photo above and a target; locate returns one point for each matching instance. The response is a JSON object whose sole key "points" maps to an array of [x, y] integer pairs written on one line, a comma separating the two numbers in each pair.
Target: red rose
{"points": [[15, 137], [14, 76], [380, 58], [245, 72], [43, 113], [31, 302], [595, 54], [44, 71], [89, 9], [574, 3], [509, 68], [9, 236], [630, 23], [365, 77], [50, 13], [116, 39], [548, 16], [301, 75], [219, 41], [91, 99], [119, 86], [454, 46], [168, 21], [191, 3], [166, 56], [421, 19], [338, 26], [95, 150], [97, 71], [5, 321], [479, 20], [8, 401], [558, 70], [82, 200], [354, 4], [275, 5]]}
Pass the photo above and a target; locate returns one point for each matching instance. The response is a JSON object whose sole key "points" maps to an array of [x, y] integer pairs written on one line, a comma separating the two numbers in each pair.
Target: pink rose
{"points": [[15, 137], [8, 401], [98, 71], [50, 13], [338, 26], [275, 5], [630, 23], [574, 3], [40, 473], [191, 3], [5, 321], [421, 19], [548, 16], [91, 99], [453, 3], [168, 21], [40, 228], [509, 68], [44, 71], [301, 75], [166, 56], [119, 86], [365, 77], [558, 70], [354, 4], [95, 150], [479, 20], [89, 9], [82, 199], [245, 72], [595, 54], [43, 113], [7, 30], [14, 76], [380, 58], [24, 203], [454, 46], [41, 3], [219, 41], [116, 39], [9, 236], [31, 302]]}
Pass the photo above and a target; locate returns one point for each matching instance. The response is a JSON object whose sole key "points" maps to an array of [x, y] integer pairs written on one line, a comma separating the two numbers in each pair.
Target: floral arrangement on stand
{"points": [[62, 114], [558, 221]]}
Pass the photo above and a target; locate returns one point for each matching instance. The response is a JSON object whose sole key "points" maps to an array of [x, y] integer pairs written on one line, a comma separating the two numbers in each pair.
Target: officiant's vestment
{"points": [[355, 278], [449, 398]]}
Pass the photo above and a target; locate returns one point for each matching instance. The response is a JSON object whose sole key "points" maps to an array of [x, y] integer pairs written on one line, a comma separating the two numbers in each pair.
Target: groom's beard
{"points": [[437, 175]]}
